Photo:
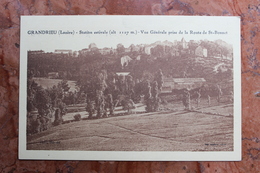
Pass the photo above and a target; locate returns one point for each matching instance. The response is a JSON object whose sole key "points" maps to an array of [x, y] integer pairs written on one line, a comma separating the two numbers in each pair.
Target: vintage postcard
{"points": [[135, 88]]}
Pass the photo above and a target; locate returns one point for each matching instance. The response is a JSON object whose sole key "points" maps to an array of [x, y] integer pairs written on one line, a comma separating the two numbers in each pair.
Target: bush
{"points": [[128, 105], [164, 102], [77, 117]]}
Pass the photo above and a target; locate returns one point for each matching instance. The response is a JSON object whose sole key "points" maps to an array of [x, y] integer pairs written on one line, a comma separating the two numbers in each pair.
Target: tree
{"points": [[155, 90], [158, 51], [55, 93], [100, 88], [219, 93], [224, 51], [111, 85], [121, 84], [120, 48], [147, 76], [64, 86], [110, 104], [90, 108], [32, 88], [210, 46], [58, 118], [159, 79], [94, 87], [148, 97], [62, 106], [100, 103], [101, 81], [192, 46], [70, 98], [42, 101], [37, 125], [186, 99], [155, 97], [130, 86], [91, 76], [134, 49]]}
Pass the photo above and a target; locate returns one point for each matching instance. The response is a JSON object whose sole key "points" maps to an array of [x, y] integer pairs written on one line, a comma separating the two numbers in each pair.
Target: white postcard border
{"points": [[129, 155]]}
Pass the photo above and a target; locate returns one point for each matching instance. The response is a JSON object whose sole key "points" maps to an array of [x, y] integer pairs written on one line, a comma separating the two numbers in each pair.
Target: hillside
{"points": [[172, 57], [159, 131]]}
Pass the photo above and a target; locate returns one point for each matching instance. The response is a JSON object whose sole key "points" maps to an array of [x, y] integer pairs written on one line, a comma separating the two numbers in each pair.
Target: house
{"points": [[84, 51], [192, 46], [174, 52], [188, 83], [36, 52], [168, 85], [92, 45], [106, 51], [63, 51], [122, 73], [127, 50], [76, 53], [53, 75], [184, 44], [134, 48], [201, 51], [125, 60], [181, 83], [229, 56], [147, 50]]}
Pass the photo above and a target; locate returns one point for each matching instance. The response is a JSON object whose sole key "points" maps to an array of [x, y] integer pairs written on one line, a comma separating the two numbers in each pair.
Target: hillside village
{"points": [[107, 77], [178, 59], [199, 52], [202, 48]]}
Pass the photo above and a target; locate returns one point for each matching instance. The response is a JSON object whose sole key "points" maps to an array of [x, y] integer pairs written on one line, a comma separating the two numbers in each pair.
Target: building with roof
{"points": [[181, 83], [125, 60], [106, 51], [147, 50], [63, 51], [201, 51], [84, 51], [36, 52], [184, 44], [53, 75], [122, 73]]}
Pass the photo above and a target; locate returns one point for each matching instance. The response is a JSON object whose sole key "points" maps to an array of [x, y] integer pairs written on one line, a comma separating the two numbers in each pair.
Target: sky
{"points": [[117, 29]]}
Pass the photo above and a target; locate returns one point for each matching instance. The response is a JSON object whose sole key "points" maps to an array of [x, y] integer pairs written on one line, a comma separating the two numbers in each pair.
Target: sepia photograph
{"points": [[130, 88]]}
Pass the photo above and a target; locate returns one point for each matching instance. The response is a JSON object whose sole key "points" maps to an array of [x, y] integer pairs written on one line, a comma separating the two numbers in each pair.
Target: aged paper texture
{"points": [[155, 88]]}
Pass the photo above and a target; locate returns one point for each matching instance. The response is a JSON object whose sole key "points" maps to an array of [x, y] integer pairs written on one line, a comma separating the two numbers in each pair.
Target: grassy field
{"points": [[47, 83], [208, 128]]}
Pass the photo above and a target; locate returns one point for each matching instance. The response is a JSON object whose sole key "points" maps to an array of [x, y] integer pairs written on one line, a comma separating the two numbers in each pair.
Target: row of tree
{"points": [[104, 92], [101, 92]]}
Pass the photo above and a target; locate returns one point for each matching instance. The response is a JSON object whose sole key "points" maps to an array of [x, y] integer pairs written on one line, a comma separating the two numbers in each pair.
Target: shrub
{"points": [[90, 108], [164, 102], [77, 117], [129, 105]]}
